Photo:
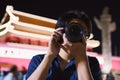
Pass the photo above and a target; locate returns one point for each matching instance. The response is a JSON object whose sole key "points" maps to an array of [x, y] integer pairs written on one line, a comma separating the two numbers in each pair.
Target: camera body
{"points": [[74, 32]]}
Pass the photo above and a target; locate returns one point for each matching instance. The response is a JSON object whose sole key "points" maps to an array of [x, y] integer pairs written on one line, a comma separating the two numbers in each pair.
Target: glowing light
{"points": [[5, 25], [41, 29], [93, 43], [91, 36], [3, 32], [11, 52], [9, 10], [35, 16], [38, 36]]}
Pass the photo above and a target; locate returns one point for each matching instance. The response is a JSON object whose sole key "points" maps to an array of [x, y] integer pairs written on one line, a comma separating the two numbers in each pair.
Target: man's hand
{"points": [[54, 43], [75, 49]]}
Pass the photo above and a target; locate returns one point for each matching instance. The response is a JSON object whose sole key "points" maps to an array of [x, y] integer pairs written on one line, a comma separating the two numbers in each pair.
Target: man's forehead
{"points": [[76, 20]]}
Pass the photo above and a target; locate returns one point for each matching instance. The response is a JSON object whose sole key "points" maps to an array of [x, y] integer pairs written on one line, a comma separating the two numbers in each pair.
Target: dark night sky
{"points": [[52, 9]]}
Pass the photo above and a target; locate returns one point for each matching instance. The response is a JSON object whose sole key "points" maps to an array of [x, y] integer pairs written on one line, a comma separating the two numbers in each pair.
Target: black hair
{"points": [[66, 17], [13, 68]]}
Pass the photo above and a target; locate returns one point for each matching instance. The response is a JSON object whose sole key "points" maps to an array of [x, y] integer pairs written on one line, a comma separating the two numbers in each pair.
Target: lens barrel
{"points": [[74, 32]]}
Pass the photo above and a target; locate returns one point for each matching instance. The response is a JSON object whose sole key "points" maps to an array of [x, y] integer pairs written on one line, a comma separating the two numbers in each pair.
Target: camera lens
{"points": [[74, 32]]}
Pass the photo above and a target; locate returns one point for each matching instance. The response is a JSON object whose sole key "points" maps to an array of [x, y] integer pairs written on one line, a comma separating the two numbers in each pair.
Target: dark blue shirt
{"points": [[69, 73]]}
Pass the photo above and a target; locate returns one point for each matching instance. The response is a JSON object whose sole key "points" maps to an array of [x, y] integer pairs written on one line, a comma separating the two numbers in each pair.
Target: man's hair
{"points": [[13, 68], [66, 17]]}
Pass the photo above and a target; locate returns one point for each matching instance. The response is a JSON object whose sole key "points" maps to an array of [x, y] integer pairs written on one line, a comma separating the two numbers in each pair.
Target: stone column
{"points": [[106, 26]]}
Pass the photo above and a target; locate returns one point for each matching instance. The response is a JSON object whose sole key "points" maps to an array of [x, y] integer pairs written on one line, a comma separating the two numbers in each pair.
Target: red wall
{"points": [[10, 61]]}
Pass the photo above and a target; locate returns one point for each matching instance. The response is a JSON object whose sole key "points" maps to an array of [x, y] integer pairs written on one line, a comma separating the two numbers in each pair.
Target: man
{"points": [[66, 57]]}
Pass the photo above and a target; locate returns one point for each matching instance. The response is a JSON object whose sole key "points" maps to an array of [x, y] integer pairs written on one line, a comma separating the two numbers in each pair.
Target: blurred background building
{"points": [[26, 26]]}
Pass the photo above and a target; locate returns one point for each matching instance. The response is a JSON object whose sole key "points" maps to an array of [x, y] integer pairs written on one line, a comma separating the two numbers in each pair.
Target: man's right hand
{"points": [[54, 44]]}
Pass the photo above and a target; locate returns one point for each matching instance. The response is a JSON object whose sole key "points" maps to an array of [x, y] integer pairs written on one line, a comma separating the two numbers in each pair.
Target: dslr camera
{"points": [[74, 32]]}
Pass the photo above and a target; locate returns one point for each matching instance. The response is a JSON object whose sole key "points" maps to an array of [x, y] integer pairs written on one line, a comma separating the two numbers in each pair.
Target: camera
{"points": [[74, 32]]}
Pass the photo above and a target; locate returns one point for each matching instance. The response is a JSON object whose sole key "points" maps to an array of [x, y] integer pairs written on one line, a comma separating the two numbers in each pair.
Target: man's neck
{"points": [[64, 56], [64, 59]]}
